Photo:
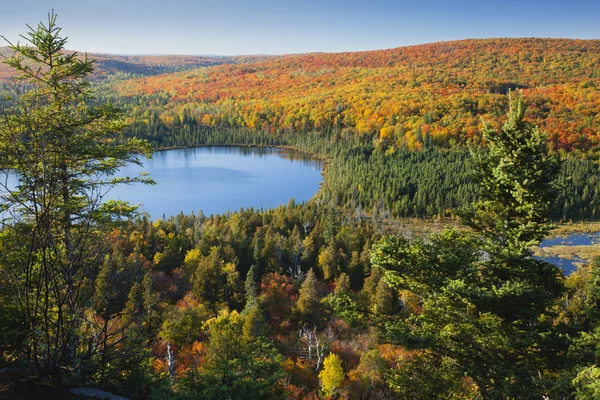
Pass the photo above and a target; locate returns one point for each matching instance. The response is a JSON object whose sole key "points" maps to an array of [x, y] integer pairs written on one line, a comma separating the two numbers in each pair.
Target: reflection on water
{"points": [[219, 179], [568, 266], [581, 239], [303, 158]]}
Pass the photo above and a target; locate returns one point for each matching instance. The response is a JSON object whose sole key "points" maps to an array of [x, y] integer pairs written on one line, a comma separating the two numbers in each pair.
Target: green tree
{"points": [[368, 376], [516, 176], [328, 261], [583, 310], [238, 366], [425, 375], [587, 383], [216, 282], [385, 299], [122, 363], [64, 148], [251, 287], [309, 298], [332, 376], [484, 299], [342, 284], [255, 325], [183, 323]]}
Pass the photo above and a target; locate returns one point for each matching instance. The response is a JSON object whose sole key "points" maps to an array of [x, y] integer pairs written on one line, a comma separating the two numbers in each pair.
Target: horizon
{"points": [[271, 27], [309, 52]]}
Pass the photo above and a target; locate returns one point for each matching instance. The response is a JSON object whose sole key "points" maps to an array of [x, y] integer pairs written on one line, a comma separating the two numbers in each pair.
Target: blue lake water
{"points": [[569, 265], [579, 239], [216, 180]]}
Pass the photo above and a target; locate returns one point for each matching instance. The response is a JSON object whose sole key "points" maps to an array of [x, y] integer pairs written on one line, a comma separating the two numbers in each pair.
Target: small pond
{"points": [[568, 252]]}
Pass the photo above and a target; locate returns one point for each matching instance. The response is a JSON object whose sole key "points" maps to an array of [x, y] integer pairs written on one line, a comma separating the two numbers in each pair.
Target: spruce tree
{"points": [[64, 148], [309, 298], [251, 287], [485, 302], [516, 175]]}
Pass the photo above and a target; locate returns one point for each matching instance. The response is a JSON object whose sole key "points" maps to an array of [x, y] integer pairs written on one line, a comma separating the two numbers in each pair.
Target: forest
{"points": [[330, 299], [120, 67], [439, 93]]}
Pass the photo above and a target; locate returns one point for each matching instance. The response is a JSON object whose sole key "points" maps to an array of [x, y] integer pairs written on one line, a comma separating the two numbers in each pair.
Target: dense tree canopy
{"points": [[485, 301], [334, 298], [409, 97]]}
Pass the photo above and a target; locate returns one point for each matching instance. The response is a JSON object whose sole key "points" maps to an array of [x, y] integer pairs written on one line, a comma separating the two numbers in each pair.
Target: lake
{"points": [[218, 179], [221, 179]]}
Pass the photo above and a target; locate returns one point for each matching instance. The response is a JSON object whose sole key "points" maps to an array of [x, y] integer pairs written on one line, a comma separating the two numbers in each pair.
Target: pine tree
{"points": [[485, 303], [384, 299], [65, 148], [342, 284], [309, 298]]}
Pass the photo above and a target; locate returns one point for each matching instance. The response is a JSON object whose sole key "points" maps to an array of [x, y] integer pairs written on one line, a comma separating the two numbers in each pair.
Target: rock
{"points": [[17, 384], [94, 394]]}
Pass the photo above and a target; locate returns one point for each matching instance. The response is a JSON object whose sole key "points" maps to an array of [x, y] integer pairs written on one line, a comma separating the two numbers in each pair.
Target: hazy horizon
{"points": [[306, 52]]}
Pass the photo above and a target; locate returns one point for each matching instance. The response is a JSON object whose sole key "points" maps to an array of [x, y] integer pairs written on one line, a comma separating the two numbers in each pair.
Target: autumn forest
{"points": [[409, 275]]}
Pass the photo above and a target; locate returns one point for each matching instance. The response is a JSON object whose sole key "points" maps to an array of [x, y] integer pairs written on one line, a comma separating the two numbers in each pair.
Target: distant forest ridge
{"points": [[437, 93], [149, 64]]}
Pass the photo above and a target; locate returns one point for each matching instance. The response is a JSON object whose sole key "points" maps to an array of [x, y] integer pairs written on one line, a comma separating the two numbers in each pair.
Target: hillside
{"points": [[435, 93], [154, 65], [107, 64]]}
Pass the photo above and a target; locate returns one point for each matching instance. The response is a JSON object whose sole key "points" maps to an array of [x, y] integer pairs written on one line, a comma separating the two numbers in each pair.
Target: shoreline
{"points": [[317, 157], [425, 225]]}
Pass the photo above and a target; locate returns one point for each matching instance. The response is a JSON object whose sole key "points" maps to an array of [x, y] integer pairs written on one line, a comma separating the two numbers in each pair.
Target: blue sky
{"points": [[229, 27]]}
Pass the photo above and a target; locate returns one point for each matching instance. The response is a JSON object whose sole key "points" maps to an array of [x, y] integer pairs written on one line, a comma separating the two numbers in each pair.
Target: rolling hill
{"points": [[405, 97], [147, 65]]}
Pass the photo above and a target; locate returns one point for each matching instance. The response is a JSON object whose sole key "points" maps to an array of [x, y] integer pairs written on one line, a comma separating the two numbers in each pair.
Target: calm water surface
{"points": [[569, 265], [221, 179]]}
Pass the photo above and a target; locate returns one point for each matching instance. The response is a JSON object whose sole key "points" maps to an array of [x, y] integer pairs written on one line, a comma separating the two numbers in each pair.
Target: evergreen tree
{"points": [[309, 298], [65, 149], [255, 324], [342, 284], [585, 347], [384, 299], [251, 287], [516, 176], [216, 282], [238, 365], [485, 302]]}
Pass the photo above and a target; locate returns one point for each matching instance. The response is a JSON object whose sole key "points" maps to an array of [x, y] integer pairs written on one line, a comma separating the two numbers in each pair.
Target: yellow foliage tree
{"points": [[332, 376]]}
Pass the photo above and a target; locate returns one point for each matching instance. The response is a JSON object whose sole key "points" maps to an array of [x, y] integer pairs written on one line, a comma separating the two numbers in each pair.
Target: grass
{"points": [[569, 228]]}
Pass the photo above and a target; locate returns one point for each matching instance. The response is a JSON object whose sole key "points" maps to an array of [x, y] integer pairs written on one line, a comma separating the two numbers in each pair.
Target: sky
{"points": [[236, 27]]}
